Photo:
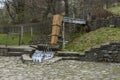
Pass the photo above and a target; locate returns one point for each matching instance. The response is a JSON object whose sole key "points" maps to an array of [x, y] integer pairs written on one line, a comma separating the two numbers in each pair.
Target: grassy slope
{"points": [[94, 39], [14, 39], [115, 10]]}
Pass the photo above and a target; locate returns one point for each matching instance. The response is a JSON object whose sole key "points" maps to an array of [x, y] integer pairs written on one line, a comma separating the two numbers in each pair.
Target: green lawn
{"points": [[94, 39], [115, 10], [13, 39]]}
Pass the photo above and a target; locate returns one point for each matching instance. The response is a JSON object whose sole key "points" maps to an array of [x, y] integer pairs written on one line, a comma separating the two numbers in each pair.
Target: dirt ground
{"points": [[12, 68]]}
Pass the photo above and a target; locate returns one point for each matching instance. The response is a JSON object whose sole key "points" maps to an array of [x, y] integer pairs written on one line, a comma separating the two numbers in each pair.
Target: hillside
{"points": [[94, 39], [115, 10]]}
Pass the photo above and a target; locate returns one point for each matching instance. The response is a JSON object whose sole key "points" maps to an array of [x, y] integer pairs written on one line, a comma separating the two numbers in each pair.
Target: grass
{"points": [[94, 39], [118, 79], [115, 10], [13, 39]]}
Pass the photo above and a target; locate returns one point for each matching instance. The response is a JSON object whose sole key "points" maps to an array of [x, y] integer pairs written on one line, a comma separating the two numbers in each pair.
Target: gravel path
{"points": [[12, 68]]}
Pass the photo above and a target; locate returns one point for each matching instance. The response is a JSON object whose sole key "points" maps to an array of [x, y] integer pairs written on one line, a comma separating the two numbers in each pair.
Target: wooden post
{"points": [[57, 22], [7, 35], [31, 30], [7, 38], [19, 39], [22, 34], [63, 36]]}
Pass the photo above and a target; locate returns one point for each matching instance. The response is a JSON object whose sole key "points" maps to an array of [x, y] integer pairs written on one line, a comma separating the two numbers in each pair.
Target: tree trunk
{"points": [[66, 7], [20, 11]]}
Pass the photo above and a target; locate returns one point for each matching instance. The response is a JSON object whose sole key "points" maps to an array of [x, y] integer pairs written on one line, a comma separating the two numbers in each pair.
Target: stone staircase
{"points": [[18, 51], [15, 51]]}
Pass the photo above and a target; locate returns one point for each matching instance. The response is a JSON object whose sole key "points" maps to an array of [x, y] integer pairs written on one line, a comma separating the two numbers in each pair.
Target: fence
{"points": [[30, 33], [35, 33]]}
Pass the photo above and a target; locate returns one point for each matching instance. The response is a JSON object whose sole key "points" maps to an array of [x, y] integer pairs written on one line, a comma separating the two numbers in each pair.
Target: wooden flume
{"points": [[57, 22]]}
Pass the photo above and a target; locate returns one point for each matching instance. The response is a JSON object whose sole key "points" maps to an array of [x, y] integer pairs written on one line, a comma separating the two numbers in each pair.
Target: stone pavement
{"points": [[12, 68]]}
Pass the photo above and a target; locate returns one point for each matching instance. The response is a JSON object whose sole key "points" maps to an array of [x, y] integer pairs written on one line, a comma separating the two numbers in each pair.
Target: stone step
{"points": [[71, 58], [67, 54], [29, 50], [15, 49], [26, 58], [17, 53]]}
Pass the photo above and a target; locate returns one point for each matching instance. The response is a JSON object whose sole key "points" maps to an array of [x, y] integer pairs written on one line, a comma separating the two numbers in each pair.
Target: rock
{"points": [[26, 58]]}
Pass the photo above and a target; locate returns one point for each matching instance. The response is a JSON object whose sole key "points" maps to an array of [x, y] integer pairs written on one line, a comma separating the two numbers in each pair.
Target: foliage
{"points": [[100, 13], [94, 39], [22, 11], [115, 10]]}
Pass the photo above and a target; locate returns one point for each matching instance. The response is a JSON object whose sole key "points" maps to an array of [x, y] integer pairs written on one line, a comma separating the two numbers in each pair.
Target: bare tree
{"points": [[66, 7], [15, 9]]}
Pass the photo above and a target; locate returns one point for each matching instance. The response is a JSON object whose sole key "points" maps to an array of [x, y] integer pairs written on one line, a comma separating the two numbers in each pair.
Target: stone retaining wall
{"points": [[3, 51], [109, 52]]}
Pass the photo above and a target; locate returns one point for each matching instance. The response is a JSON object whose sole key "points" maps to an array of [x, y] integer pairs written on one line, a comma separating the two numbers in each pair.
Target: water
{"points": [[41, 56]]}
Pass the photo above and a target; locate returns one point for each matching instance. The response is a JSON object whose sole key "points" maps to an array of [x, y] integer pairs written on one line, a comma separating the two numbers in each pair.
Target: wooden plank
{"points": [[74, 20], [51, 47]]}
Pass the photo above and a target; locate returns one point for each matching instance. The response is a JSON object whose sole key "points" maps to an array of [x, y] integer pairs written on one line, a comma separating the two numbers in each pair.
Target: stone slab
{"points": [[26, 58]]}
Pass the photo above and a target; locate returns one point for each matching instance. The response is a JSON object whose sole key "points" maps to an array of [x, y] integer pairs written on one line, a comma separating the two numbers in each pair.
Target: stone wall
{"points": [[111, 21], [108, 52]]}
